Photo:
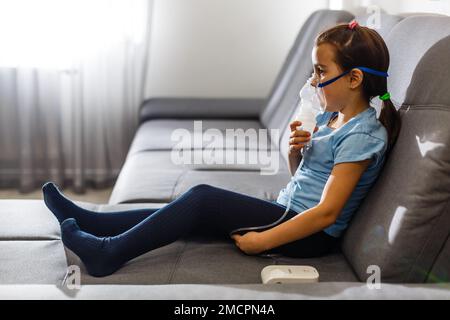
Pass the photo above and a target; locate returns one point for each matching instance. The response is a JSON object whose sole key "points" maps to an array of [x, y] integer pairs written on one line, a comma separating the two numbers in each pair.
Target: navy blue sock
{"points": [[96, 223], [95, 252]]}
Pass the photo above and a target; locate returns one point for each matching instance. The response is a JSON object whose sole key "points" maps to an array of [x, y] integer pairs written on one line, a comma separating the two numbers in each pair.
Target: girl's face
{"points": [[325, 68]]}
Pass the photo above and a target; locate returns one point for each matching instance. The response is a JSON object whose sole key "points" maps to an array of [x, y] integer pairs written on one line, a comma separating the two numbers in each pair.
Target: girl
{"points": [[330, 178]]}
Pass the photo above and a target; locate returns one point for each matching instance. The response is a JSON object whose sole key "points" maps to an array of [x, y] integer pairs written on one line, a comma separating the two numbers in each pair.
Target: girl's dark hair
{"points": [[364, 47]]}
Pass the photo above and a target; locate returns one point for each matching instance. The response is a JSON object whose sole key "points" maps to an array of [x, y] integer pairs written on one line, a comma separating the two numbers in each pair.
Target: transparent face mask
{"points": [[321, 98], [319, 95]]}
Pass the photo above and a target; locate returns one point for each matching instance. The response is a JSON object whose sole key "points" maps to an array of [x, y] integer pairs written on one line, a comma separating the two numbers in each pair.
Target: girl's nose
{"points": [[314, 79]]}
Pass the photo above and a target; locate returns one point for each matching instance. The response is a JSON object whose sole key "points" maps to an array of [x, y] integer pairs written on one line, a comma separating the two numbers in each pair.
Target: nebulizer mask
{"points": [[311, 102]]}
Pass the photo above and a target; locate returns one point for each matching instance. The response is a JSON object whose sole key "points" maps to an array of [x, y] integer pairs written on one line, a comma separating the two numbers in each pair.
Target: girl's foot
{"points": [[94, 252], [61, 207]]}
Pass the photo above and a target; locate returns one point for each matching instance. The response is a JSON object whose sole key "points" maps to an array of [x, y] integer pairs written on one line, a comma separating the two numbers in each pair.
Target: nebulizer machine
{"points": [[309, 104]]}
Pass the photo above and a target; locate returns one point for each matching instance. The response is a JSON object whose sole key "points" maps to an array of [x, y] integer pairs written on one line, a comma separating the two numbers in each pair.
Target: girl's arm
{"points": [[338, 189], [294, 161]]}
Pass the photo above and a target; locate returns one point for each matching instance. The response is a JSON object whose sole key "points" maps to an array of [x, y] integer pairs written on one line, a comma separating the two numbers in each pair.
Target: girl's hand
{"points": [[250, 243], [298, 138]]}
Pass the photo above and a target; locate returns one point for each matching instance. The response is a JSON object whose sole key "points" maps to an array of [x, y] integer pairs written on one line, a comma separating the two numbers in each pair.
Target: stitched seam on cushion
{"points": [[176, 264], [30, 239], [149, 150], [176, 184], [427, 241], [437, 257]]}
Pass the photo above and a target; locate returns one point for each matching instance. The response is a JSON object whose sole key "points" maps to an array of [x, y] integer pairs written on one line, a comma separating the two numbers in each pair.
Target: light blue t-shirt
{"points": [[362, 137]]}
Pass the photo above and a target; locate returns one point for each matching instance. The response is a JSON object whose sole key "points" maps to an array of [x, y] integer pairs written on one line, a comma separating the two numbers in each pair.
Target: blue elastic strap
{"points": [[365, 69], [321, 85], [374, 72]]}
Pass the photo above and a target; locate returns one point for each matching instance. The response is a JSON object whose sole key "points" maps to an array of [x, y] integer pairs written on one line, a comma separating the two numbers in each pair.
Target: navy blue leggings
{"points": [[203, 210]]}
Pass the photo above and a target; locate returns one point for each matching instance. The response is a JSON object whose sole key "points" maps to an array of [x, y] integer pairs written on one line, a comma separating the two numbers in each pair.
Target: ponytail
{"points": [[390, 118]]}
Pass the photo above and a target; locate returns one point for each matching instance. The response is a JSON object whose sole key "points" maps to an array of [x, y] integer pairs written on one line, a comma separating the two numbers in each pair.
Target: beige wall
{"points": [[221, 48]]}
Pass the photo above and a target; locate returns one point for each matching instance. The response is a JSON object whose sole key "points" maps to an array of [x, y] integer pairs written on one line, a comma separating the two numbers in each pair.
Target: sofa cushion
{"points": [[31, 258], [155, 267], [32, 261], [200, 108], [28, 220], [202, 260], [156, 134], [254, 184], [404, 221]]}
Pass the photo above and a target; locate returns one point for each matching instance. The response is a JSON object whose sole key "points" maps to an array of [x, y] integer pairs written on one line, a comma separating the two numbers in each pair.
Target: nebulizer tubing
{"points": [[288, 207]]}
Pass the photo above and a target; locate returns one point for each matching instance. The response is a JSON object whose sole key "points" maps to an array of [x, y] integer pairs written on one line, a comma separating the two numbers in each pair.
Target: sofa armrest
{"points": [[204, 108]]}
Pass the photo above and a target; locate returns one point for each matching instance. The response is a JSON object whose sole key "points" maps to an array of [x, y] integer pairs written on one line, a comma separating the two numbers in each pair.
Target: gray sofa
{"points": [[402, 227]]}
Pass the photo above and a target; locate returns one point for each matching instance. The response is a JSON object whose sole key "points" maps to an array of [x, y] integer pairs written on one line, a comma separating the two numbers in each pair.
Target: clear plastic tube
{"points": [[288, 207]]}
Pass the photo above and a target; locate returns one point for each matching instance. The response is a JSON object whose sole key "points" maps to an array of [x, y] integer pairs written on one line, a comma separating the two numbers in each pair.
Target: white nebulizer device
{"points": [[308, 106], [289, 274]]}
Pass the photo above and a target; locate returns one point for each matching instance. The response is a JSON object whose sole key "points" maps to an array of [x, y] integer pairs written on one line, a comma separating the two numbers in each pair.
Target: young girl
{"points": [[330, 178]]}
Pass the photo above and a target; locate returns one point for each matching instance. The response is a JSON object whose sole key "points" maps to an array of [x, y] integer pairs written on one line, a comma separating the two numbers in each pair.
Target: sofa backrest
{"points": [[404, 222], [297, 68]]}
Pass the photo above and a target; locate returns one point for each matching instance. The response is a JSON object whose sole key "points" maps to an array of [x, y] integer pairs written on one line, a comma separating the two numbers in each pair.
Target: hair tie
{"points": [[353, 24], [385, 96]]}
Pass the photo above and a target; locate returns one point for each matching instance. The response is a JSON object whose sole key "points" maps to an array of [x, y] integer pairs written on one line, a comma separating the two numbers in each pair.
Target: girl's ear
{"points": [[356, 78]]}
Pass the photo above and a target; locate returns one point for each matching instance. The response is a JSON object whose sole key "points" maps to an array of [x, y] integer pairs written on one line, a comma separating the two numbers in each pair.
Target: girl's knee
{"points": [[201, 189]]}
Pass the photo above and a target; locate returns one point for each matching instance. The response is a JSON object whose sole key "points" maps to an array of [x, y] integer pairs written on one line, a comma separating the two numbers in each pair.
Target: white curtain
{"points": [[72, 76]]}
